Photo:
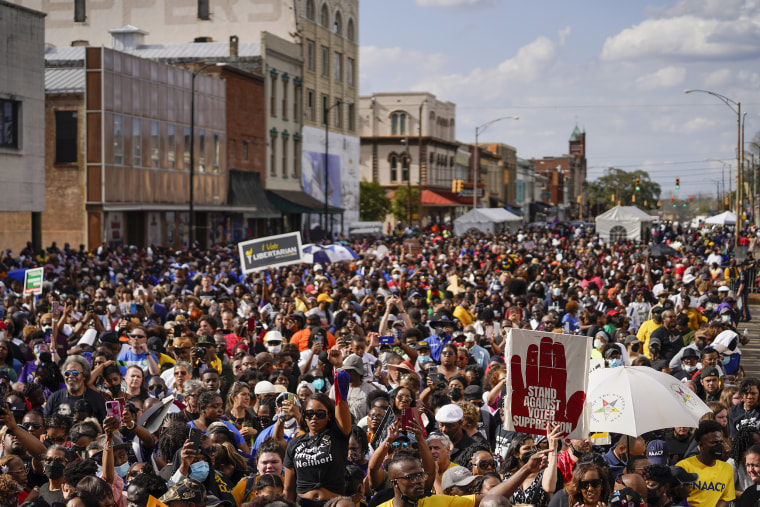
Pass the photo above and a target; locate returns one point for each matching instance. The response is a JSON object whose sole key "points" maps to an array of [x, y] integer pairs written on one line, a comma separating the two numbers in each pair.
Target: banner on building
{"points": [[541, 388], [270, 252], [33, 279]]}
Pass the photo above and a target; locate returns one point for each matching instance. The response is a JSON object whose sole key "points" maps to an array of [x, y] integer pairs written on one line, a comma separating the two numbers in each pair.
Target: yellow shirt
{"points": [[464, 316], [643, 334], [695, 318], [715, 483], [440, 501]]}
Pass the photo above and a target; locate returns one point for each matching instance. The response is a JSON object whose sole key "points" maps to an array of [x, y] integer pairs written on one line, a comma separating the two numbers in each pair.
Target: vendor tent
{"points": [[493, 220], [725, 218], [623, 223]]}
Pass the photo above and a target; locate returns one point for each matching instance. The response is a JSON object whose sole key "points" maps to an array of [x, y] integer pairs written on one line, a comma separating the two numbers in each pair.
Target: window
{"points": [[65, 137], [203, 9], [350, 35], [154, 144], [171, 148], [296, 101], [245, 150], [217, 153], [136, 143], [338, 23], [118, 140], [325, 61], [310, 56], [350, 71], [324, 16], [284, 156], [273, 97], [310, 11], [9, 123], [325, 110], [398, 123], [80, 11], [284, 99], [394, 168], [186, 148], [310, 106], [338, 114], [202, 151], [273, 155], [351, 124], [405, 166], [296, 156], [338, 66]]}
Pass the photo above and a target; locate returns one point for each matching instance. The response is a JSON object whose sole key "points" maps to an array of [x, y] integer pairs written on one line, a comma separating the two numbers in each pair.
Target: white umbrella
{"points": [[633, 400], [327, 254], [342, 253]]}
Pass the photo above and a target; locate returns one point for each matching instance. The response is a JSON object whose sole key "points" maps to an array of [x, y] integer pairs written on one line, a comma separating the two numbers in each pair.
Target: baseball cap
{"points": [[724, 288], [682, 476], [449, 414], [472, 393], [324, 297], [710, 371], [687, 279], [264, 387], [630, 339], [657, 452], [273, 336], [457, 476], [206, 340], [354, 363], [186, 490]]}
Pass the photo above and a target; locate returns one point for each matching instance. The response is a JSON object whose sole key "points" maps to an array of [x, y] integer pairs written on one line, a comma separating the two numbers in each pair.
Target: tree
{"points": [[374, 204], [400, 204], [619, 187]]}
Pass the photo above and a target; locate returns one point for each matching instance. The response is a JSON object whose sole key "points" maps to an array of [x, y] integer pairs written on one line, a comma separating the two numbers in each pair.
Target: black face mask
{"points": [[700, 344], [115, 389], [455, 394], [524, 457], [652, 496], [54, 470], [635, 347], [717, 451]]}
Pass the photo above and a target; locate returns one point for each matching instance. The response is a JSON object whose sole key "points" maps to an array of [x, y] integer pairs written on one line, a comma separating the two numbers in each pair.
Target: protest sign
{"points": [[541, 388], [33, 279], [270, 252]]}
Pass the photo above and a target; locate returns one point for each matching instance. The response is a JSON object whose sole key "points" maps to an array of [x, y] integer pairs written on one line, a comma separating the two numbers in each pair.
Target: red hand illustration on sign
{"points": [[541, 398]]}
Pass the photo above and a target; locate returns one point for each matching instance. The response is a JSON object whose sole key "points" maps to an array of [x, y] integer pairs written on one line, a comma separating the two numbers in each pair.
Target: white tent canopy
{"points": [[485, 220], [725, 218], [623, 223]]}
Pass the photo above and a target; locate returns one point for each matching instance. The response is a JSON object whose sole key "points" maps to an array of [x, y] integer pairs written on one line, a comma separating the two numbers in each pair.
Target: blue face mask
{"points": [[122, 470], [199, 471], [726, 359], [318, 383], [423, 359], [614, 363]]}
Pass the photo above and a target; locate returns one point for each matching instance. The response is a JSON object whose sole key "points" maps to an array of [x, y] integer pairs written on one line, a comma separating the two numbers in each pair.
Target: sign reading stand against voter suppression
{"points": [[270, 252]]}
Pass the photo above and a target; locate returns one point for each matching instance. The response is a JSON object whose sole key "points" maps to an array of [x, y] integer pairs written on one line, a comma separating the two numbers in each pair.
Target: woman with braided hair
{"points": [[746, 437]]}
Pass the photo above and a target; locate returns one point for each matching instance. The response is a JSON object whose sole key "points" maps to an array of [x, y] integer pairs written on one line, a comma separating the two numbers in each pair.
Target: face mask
{"points": [[470, 336], [47, 329], [289, 423], [615, 363], [158, 393], [274, 349], [654, 350], [726, 360], [635, 347], [318, 383], [598, 344], [652, 496], [54, 470], [701, 344], [455, 394], [396, 277], [423, 359], [112, 309], [122, 470], [689, 369], [199, 471], [725, 318], [717, 451], [115, 390], [524, 457], [556, 292]]}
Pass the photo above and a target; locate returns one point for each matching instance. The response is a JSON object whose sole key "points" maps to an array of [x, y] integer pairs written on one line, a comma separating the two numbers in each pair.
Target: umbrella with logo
{"points": [[342, 253], [661, 250], [327, 254], [633, 400]]}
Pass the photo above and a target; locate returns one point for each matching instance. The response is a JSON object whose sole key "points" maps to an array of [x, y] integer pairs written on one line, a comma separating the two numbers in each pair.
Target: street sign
{"points": [[33, 279], [466, 193], [270, 252]]}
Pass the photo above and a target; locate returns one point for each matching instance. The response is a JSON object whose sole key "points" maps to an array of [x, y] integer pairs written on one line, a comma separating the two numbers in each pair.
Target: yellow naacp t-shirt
{"points": [[715, 483], [440, 501]]}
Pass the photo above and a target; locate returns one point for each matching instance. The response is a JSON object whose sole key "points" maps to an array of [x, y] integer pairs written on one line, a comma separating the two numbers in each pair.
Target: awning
{"points": [[245, 191], [433, 199], [514, 209], [295, 202]]}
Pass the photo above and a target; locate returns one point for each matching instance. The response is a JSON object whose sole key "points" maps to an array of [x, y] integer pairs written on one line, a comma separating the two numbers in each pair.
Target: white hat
{"points": [[89, 337], [448, 414], [318, 267], [688, 278], [273, 335], [724, 288], [279, 388], [264, 387]]}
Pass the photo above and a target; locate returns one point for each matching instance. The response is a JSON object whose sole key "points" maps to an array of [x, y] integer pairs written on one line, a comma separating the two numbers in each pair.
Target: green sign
{"points": [[33, 281]]}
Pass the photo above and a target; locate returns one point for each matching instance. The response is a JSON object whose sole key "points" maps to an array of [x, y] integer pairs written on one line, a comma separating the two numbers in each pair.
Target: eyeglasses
{"points": [[28, 425], [419, 476], [319, 414], [594, 483], [74, 374], [58, 440], [485, 465], [447, 353], [178, 373], [404, 397], [374, 416]]}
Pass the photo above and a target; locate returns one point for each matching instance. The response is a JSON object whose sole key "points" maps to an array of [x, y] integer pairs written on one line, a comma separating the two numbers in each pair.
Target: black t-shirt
{"points": [[51, 496], [671, 342], [749, 498], [460, 446], [676, 448], [61, 402], [319, 461]]}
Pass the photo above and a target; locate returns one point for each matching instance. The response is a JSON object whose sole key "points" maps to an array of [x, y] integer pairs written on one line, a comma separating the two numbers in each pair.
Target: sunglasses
{"points": [[74, 374], [137, 336], [461, 357], [485, 465], [57, 440], [57, 460], [594, 483], [319, 414], [28, 425], [397, 445]]}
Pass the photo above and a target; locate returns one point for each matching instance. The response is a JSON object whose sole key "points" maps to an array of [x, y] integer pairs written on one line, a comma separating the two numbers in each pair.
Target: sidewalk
{"points": [[751, 351]]}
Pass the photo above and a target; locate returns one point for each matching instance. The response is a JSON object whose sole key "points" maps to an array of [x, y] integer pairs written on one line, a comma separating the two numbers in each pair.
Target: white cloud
{"points": [[381, 63], [697, 125], [563, 34], [718, 78], [666, 77]]}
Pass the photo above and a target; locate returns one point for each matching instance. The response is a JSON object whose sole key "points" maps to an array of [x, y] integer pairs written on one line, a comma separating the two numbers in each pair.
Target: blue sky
{"points": [[616, 68]]}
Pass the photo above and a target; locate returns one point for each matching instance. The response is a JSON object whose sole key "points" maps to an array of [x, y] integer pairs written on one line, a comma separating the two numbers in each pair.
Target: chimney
{"points": [[234, 39], [126, 38]]}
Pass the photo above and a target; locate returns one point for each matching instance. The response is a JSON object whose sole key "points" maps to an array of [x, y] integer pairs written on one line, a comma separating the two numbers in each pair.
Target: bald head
{"points": [[494, 501], [633, 481]]}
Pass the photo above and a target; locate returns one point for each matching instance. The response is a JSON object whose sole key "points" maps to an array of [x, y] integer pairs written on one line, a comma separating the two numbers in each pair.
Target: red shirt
{"points": [[566, 465]]}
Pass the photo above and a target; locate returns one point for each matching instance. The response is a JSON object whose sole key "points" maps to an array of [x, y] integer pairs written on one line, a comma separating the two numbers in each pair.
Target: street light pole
{"points": [[192, 147], [736, 107], [478, 130], [327, 159], [419, 162]]}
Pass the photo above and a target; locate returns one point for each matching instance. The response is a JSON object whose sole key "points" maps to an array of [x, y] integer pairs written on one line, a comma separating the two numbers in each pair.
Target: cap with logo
{"points": [[186, 490], [457, 476], [657, 452]]}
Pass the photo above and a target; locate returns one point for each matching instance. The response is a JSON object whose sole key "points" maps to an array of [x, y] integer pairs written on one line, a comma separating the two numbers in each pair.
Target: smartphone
{"points": [[133, 308], [318, 339], [251, 323], [88, 356], [113, 410], [406, 418], [55, 309], [195, 437], [387, 339], [291, 397]]}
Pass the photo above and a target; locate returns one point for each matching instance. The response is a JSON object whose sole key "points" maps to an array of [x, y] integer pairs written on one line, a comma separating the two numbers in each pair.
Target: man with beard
{"points": [[76, 372], [669, 337], [715, 486], [449, 419], [567, 459]]}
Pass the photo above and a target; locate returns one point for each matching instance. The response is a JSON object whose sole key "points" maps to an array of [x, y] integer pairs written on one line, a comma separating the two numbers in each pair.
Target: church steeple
{"points": [[576, 135]]}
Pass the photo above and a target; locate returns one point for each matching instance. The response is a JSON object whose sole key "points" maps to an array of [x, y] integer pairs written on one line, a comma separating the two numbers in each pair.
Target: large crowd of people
{"points": [[160, 374]]}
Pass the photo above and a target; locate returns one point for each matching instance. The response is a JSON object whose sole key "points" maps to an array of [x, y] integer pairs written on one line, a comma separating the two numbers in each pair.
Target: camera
{"points": [[199, 351]]}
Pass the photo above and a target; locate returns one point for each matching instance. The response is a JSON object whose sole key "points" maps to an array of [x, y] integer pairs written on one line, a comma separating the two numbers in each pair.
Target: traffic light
{"points": [[690, 198], [678, 183], [457, 186], [673, 201], [638, 184]]}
